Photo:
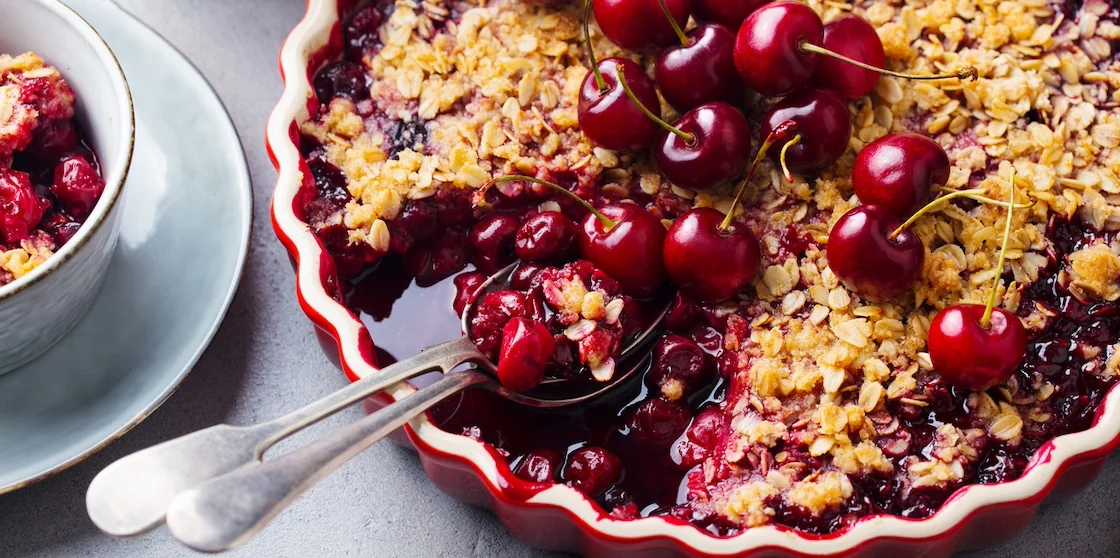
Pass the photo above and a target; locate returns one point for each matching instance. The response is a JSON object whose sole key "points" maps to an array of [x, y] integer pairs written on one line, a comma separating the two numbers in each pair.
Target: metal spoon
{"points": [[135, 493]]}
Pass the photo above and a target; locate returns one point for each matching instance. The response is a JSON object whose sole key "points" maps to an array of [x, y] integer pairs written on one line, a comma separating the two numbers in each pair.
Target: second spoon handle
{"points": [[229, 510]]}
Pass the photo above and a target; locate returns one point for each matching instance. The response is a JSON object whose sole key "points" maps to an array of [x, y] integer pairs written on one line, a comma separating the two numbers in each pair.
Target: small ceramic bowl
{"points": [[39, 308]]}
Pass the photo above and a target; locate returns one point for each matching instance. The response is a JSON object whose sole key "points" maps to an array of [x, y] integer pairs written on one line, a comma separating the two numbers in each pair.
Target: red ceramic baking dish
{"points": [[561, 518]]}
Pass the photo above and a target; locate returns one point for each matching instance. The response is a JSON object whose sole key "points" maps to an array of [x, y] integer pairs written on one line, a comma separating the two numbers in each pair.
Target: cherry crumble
{"points": [[806, 399]]}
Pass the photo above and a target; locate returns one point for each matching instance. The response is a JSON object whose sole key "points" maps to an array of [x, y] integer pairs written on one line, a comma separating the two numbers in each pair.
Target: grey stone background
{"points": [[266, 360]]}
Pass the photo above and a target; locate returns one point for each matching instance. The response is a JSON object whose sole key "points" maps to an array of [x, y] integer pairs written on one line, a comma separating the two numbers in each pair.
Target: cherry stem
{"points": [[779, 132], [931, 205], [687, 137], [608, 224], [964, 73], [990, 201], [602, 83], [986, 319], [782, 156], [673, 22]]}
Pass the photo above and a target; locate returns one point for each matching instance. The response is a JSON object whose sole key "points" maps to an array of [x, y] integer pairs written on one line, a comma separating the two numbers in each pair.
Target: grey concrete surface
{"points": [[265, 360]]}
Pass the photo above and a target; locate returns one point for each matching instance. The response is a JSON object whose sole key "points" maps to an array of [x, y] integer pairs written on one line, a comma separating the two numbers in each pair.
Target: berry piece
{"points": [[768, 49], [701, 70], [710, 147], [546, 236], [639, 24], [851, 36], [343, 79], [466, 285], [970, 355], [823, 129], [706, 261], [680, 367], [658, 422], [526, 348], [866, 254], [592, 469], [627, 247], [20, 209], [491, 240], [539, 466], [77, 186], [608, 117], [896, 172]]}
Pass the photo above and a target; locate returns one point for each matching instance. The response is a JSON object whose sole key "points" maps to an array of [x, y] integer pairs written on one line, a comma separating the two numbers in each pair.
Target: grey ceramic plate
{"points": [[184, 238]]}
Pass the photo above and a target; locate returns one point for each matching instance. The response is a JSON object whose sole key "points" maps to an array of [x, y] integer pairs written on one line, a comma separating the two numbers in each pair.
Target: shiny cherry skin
{"points": [[21, 208], [658, 422], [546, 236], [630, 252], [526, 347], [680, 367], [868, 262], [609, 118], [77, 185], [701, 71], [639, 24], [491, 240], [592, 469], [968, 355], [707, 263], [731, 13], [851, 36], [718, 152], [823, 122], [768, 50], [466, 285], [897, 171], [539, 466]]}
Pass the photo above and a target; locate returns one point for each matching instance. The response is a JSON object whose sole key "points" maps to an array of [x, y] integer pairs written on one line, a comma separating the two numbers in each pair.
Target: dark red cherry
{"points": [[639, 24], [679, 367], [709, 263], [717, 152], [343, 79], [592, 469], [491, 240], [731, 13], [52, 140], [490, 317], [608, 117], [629, 252], [77, 186], [546, 236], [968, 355], [658, 422], [897, 172], [522, 278], [870, 263], [466, 285], [539, 466], [768, 49], [850, 35], [822, 122], [60, 227], [526, 348], [21, 209], [701, 71], [363, 32]]}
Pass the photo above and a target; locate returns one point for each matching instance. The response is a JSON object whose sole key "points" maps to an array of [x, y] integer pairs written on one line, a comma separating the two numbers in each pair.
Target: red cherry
{"points": [[639, 24], [53, 139], [728, 12], [822, 123], [851, 36], [466, 285], [897, 170], [658, 422], [491, 240], [60, 227], [709, 263], [861, 253], [77, 186], [546, 236], [717, 151], [679, 367], [768, 49], [702, 70], [630, 251], [592, 469], [539, 466], [608, 117], [522, 277], [526, 348], [968, 355], [21, 209]]}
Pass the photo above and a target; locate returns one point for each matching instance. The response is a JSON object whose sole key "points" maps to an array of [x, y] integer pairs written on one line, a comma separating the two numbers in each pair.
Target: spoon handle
{"points": [[229, 510]]}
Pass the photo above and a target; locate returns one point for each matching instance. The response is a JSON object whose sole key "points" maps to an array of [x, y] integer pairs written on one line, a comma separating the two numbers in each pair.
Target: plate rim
{"points": [[245, 240]]}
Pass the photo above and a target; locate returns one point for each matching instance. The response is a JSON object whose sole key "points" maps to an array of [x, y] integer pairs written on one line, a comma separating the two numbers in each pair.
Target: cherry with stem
{"points": [[701, 69], [823, 130], [977, 347]]}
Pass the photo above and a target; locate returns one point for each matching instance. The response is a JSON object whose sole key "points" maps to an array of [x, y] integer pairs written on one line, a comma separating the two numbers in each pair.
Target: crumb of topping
{"points": [[817, 495], [746, 504], [1096, 269]]}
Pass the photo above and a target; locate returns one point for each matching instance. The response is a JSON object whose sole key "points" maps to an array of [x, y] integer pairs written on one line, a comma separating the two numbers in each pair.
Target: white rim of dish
{"points": [[311, 35], [112, 193]]}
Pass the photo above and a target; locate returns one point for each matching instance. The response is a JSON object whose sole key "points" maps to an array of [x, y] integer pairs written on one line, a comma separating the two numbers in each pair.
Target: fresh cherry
{"points": [[592, 469], [546, 236], [627, 246], [492, 241], [466, 285], [77, 186], [897, 171], [522, 277], [731, 13], [970, 355], [539, 466], [866, 254], [701, 69], [851, 36], [607, 117], [20, 208], [710, 147], [526, 348], [639, 24], [708, 261], [823, 129]]}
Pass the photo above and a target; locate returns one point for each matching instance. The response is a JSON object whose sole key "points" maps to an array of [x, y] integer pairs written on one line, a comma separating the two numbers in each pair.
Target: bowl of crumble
{"points": [[805, 409], [66, 138]]}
